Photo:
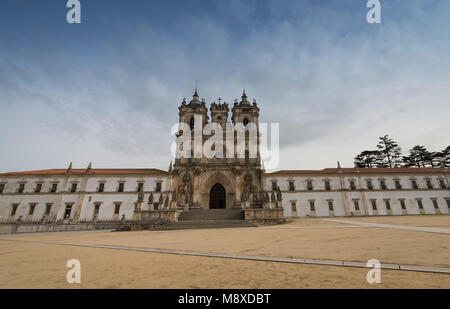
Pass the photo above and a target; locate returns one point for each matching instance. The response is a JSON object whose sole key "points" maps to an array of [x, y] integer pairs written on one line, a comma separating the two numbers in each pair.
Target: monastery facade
{"points": [[220, 183]]}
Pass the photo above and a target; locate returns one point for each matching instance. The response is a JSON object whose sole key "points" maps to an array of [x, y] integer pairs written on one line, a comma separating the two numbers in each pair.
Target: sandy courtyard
{"points": [[36, 265]]}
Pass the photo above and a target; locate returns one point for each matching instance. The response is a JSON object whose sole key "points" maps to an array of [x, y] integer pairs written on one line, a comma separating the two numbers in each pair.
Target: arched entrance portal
{"points": [[217, 197]]}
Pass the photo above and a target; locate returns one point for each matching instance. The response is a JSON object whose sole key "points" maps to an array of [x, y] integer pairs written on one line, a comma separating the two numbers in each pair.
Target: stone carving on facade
{"points": [[141, 194], [166, 201], [259, 173], [150, 198], [186, 181], [235, 171], [266, 197], [248, 190], [187, 187], [248, 178], [246, 193], [279, 196], [174, 194]]}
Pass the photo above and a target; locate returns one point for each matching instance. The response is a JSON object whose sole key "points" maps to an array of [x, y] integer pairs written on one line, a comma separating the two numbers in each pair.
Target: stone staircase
{"points": [[208, 219], [205, 224], [212, 214]]}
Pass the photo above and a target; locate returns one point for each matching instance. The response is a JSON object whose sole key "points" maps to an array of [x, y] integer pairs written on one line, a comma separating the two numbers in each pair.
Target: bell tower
{"points": [[248, 115], [191, 115], [195, 107], [219, 113]]}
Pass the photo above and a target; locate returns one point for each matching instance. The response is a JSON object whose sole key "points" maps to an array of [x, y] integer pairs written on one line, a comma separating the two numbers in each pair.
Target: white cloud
{"points": [[333, 88]]}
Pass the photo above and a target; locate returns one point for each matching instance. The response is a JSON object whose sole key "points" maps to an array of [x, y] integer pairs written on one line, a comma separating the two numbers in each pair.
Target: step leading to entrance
{"points": [[211, 214], [204, 224]]}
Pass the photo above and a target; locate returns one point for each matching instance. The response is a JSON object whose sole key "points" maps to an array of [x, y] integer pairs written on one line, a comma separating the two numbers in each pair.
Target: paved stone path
{"points": [[316, 227], [420, 268], [394, 227], [56, 233]]}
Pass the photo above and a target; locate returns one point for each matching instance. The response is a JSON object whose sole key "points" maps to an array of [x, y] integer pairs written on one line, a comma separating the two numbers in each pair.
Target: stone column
{"points": [[344, 196], [363, 196], [137, 210]]}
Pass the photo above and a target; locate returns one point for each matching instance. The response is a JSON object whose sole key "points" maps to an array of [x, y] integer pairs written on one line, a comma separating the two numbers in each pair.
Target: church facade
{"points": [[232, 179]]}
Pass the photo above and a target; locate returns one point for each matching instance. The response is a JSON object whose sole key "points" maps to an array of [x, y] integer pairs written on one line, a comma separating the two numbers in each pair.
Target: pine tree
{"points": [[409, 161], [419, 156], [389, 152], [367, 159], [442, 157]]}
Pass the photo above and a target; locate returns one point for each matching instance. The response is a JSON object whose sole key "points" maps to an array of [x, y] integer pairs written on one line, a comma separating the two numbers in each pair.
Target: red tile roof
{"points": [[94, 171], [360, 171], [152, 171]]}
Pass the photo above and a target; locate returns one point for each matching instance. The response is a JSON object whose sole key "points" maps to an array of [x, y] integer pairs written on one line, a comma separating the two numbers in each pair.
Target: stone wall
{"points": [[151, 215], [264, 216], [53, 227]]}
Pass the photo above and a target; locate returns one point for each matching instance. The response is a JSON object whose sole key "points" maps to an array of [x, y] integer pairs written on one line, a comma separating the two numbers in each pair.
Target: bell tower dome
{"points": [[187, 112], [244, 112]]}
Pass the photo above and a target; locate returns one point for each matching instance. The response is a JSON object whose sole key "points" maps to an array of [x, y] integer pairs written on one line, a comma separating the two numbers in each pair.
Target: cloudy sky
{"points": [[108, 90]]}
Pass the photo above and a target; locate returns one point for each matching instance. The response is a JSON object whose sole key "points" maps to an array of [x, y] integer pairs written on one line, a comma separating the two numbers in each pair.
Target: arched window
{"points": [[245, 121], [191, 123]]}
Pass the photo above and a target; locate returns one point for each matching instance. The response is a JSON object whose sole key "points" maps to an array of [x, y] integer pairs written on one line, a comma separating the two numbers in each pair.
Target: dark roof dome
{"points": [[244, 99], [195, 100]]}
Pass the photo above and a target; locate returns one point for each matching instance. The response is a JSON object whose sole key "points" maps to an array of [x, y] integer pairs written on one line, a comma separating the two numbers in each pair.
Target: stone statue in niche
{"points": [[187, 188], [141, 194], [248, 178], [248, 190], [174, 195], [166, 201], [279, 197], [256, 196], [150, 198], [186, 182]]}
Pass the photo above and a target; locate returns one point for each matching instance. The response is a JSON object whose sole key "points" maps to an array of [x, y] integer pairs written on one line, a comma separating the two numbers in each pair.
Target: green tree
{"points": [[419, 156], [442, 157], [367, 159], [389, 152], [408, 161]]}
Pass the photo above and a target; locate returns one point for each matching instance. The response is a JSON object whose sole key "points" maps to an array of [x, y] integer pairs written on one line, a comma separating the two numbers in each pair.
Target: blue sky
{"points": [[107, 90]]}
